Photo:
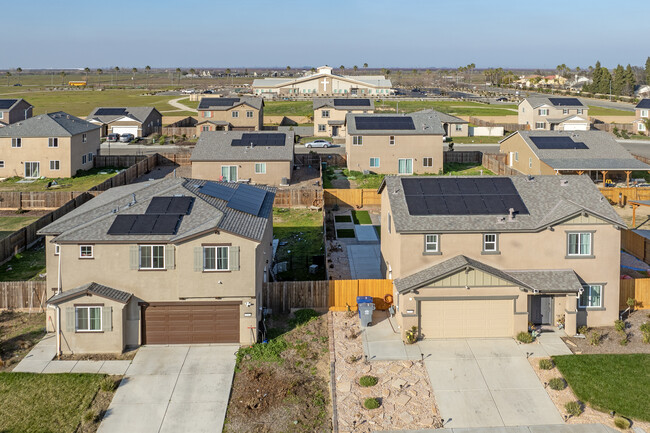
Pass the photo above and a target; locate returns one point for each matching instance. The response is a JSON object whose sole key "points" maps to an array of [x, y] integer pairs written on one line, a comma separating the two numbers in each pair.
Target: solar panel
{"points": [[217, 190], [110, 111], [260, 139], [7, 103], [217, 102], [565, 102], [166, 224], [644, 103], [384, 122], [352, 102], [247, 199], [557, 143], [122, 225], [145, 225], [462, 196], [170, 205]]}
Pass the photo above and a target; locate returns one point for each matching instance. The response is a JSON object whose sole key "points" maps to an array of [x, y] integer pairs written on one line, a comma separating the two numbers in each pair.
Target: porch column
{"points": [[604, 177], [571, 314], [634, 206], [627, 178]]}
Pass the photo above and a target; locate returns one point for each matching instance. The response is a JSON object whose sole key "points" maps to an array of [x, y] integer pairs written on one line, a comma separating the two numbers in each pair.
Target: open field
{"points": [[288, 108], [456, 108], [602, 111], [83, 182]]}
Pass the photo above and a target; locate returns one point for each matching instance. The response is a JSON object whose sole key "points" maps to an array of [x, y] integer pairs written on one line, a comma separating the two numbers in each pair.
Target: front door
{"points": [[229, 173], [541, 310], [335, 131], [32, 169]]}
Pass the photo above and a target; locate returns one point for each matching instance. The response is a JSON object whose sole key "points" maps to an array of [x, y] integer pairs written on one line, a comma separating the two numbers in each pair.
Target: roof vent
{"points": [[511, 214], [564, 182], [501, 219], [530, 178], [68, 116]]}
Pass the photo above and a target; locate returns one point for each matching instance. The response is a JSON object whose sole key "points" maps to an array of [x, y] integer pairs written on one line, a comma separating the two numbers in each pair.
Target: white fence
{"points": [[483, 131]]}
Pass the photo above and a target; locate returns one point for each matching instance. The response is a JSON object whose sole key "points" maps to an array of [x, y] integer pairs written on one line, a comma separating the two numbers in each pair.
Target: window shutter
{"points": [[107, 319], [234, 258], [198, 259], [134, 256], [170, 262], [70, 322]]}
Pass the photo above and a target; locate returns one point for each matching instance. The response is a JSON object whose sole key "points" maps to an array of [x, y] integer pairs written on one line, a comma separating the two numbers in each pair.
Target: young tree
{"points": [[62, 74], [19, 70], [86, 71], [133, 72], [147, 69], [7, 74]]}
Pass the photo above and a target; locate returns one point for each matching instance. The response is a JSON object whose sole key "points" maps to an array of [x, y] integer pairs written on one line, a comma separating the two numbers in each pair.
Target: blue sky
{"points": [[252, 33]]}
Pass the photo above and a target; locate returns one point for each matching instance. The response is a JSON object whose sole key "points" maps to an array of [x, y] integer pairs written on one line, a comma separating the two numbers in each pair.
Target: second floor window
{"points": [[207, 114], [325, 113], [579, 111], [235, 114], [543, 111], [357, 140], [260, 167], [86, 251], [490, 243], [579, 244], [249, 114], [216, 258], [53, 142], [152, 257], [16, 142], [391, 140], [84, 138], [644, 113], [431, 244]]}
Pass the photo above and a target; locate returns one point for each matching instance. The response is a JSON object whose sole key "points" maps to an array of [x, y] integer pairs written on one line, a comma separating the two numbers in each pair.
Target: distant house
{"points": [[595, 153], [453, 126], [554, 114], [51, 145], [642, 113], [236, 156], [394, 144], [14, 110], [139, 121], [230, 114], [329, 114]]}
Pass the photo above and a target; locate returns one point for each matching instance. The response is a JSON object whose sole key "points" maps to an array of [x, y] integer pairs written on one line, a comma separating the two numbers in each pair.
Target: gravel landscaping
{"points": [[610, 341]]}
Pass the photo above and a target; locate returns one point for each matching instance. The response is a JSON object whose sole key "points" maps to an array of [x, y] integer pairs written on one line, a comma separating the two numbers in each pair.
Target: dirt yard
{"points": [[19, 332], [283, 385], [610, 341], [642, 216]]}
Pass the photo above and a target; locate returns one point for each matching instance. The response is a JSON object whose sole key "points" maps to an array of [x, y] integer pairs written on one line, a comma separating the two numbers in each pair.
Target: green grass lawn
{"points": [[45, 402], [9, 224], [83, 182], [302, 229], [25, 266], [364, 181], [378, 231], [610, 382], [288, 108], [603, 111], [456, 108], [345, 233], [461, 169], [478, 139], [361, 217]]}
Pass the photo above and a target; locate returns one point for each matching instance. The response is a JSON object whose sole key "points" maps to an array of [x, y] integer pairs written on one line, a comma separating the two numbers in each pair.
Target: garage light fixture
{"points": [[248, 314], [410, 311]]}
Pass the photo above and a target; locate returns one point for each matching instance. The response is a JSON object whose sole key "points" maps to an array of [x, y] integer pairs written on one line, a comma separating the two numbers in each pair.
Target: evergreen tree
{"points": [[605, 80], [647, 71], [630, 81], [618, 82]]}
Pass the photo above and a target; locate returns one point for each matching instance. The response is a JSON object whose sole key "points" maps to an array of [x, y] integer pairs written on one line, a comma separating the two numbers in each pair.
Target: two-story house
{"points": [[52, 145], [172, 261], [14, 110], [139, 121], [256, 157], [329, 114], [394, 143], [642, 114], [554, 114], [484, 256], [230, 114]]}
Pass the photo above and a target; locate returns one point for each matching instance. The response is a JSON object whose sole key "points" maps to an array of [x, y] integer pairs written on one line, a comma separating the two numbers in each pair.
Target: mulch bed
{"points": [[610, 340]]}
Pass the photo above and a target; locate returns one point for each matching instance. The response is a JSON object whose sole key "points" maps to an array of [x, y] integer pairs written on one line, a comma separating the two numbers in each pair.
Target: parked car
{"points": [[502, 99], [18, 85], [318, 143], [113, 138], [126, 138]]}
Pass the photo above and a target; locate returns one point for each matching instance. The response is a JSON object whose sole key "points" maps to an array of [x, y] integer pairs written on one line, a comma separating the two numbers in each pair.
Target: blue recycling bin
{"points": [[363, 300], [366, 307]]}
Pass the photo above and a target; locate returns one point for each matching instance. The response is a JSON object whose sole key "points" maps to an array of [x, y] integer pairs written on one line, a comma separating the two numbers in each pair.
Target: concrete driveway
{"points": [[486, 383], [173, 389]]}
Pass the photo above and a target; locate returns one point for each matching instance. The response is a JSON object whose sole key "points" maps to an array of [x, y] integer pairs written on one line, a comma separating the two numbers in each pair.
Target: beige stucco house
{"points": [[484, 256], [139, 121], [50, 145], [554, 114], [230, 114], [172, 261], [642, 114], [452, 125], [324, 82], [394, 144], [595, 153], [329, 114], [14, 110], [233, 156]]}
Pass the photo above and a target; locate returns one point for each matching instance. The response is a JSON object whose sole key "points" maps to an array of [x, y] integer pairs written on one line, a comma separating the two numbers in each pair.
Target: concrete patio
{"points": [[364, 261]]}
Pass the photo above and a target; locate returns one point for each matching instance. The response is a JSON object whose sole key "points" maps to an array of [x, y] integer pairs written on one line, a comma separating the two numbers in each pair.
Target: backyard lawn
{"points": [[361, 217], [288, 108], [9, 224], [19, 332], [607, 383], [603, 111], [478, 139], [82, 182], [302, 230], [25, 266]]}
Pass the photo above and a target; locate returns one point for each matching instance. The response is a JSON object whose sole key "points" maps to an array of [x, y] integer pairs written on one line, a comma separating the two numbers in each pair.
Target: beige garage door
{"points": [[467, 319]]}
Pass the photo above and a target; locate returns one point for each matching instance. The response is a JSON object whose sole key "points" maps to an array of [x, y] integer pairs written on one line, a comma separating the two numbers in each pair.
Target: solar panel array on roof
{"points": [[247, 199], [145, 225], [352, 103], [7, 103], [218, 102], [462, 196], [644, 103], [170, 205], [217, 190], [384, 122], [565, 102], [261, 139], [557, 143], [110, 112]]}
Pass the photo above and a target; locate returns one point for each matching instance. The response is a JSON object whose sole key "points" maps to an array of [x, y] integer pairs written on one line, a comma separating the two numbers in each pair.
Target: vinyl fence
{"points": [[637, 289], [23, 295]]}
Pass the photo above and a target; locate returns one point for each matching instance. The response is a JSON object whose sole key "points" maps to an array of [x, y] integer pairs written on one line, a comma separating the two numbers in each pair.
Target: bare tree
{"points": [[7, 74]]}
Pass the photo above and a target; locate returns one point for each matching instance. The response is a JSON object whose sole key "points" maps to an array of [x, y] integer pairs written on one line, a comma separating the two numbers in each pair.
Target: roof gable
{"points": [[91, 289]]}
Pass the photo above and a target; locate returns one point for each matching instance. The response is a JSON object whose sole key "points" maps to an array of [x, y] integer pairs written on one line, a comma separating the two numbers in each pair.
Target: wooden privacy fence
{"points": [[298, 197], [637, 289], [102, 161], [636, 245], [181, 158], [23, 295], [497, 164], [463, 156], [335, 295], [352, 197], [46, 200], [507, 126], [626, 194], [129, 175]]}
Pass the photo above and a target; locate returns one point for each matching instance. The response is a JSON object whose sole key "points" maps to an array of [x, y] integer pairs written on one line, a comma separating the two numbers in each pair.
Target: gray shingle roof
{"points": [[91, 288], [538, 101], [257, 103], [137, 113], [545, 281], [91, 221], [548, 199], [603, 153], [57, 124], [444, 117], [426, 123], [216, 146], [329, 102]]}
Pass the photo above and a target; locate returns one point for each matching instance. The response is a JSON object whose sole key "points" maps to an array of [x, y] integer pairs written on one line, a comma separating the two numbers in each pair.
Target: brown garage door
{"points": [[191, 323]]}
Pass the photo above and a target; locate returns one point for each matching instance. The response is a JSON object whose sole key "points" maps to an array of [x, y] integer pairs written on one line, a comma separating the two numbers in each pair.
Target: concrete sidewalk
{"points": [[564, 428]]}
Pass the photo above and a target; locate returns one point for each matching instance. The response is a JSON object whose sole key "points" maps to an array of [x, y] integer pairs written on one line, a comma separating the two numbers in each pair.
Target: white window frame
{"points": [[87, 308], [325, 114], [459, 127], [378, 164], [216, 249], [530, 162], [517, 156], [55, 165], [565, 111], [53, 142], [490, 245], [391, 140], [431, 243], [543, 111], [260, 168], [84, 138], [389, 223], [86, 255], [357, 140], [427, 159], [2, 164], [540, 125], [151, 266], [57, 249], [2, 114], [579, 111], [230, 171], [207, 114], [235, 114], [322, 127], [16, 142], [588, 289], [249, 114], [405, 159], [641, 126], [580, 235], [644, 113]]}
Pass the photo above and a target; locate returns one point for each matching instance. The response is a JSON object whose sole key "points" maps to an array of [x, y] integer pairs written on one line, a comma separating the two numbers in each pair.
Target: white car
{"points": [[318, 143]]}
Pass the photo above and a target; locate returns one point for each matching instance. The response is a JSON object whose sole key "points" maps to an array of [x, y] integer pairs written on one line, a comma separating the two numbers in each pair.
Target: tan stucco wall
{"points": [[275, 171], [527, 115], [406, 146], [20, 111], [256, 122], [334, 115], [520, 155], [464, 132]]}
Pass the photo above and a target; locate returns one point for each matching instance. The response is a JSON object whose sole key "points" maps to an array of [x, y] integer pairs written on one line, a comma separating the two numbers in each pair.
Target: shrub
{"points": [[583, 330], [631, 302], [594, 338], [107, 384], [89, 416], [622, 423], [371, 403], [645, 329], [412, 335], [545, 364], [619, 325], [557, 383], [367, 381], [524, 337], [573, 408], [301, 317], [624, 341]]}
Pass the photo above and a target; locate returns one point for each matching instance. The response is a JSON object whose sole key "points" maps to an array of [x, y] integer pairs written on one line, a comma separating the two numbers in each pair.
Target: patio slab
{"points": [[364, 261], [365, 233]]}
